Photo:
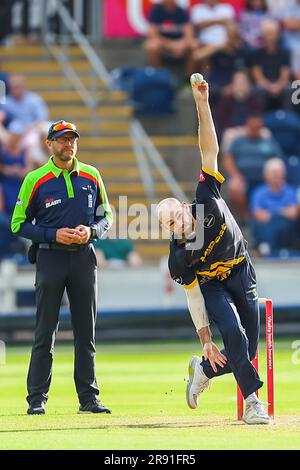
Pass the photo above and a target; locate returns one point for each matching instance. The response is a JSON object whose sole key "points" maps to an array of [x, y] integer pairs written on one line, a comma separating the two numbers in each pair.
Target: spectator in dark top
{"points": [[274, 210], [5, 19], [224, 61], [5, 116], [4, 77], [244, 163], [271, 68], [14, 165], [234, 108], [170, 34], [256, 11]]}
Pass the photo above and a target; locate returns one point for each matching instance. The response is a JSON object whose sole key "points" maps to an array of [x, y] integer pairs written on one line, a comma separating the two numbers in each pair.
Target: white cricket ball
{"points": [[196, 79]]}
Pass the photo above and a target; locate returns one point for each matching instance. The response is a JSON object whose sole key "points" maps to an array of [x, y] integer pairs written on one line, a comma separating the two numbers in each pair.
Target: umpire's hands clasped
{"points": [[85, 233], [79, 235]]}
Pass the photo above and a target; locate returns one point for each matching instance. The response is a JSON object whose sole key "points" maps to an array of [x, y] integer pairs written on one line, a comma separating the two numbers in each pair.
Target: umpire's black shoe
{"points": [[36, 408], [94, 406]]}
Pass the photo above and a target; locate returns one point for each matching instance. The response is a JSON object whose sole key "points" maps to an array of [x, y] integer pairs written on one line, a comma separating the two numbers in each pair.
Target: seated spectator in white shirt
{"points": [[211, 20], [27, 107]]}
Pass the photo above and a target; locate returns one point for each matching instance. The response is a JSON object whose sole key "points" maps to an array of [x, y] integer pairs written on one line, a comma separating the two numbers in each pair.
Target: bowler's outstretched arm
{"points": [[208, 142]]}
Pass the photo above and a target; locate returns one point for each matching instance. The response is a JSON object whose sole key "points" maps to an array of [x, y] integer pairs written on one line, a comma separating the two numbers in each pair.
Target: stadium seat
{"points": [[285, 127], [152, 90], [293, 170]]}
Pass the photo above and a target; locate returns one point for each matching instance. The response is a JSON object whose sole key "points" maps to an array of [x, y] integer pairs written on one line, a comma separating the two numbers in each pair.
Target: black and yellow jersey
{"points": [[223, 244]]}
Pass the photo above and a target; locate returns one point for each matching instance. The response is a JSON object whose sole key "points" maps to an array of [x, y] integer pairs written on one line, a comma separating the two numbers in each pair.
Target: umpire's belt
{"points": [[57, 246]]}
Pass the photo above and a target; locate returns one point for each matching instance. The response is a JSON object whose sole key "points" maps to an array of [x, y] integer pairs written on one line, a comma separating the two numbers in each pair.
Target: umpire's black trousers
{"points": [[75, 271]]}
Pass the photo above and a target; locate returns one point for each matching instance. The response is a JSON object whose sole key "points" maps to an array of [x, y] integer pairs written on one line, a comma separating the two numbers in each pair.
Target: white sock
{"points": [[251, 398]]}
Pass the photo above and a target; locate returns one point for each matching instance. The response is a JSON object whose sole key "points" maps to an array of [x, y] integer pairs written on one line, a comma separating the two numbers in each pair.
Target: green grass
{"points": [[144, 384]]}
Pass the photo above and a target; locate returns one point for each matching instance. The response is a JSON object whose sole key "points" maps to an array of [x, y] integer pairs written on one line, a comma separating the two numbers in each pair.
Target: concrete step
{"points": [[104, 158], [42, 66], [35, 51], [82, 114], [110, 174], [57, 82], [108, 127], [125, 142], [115, 201], [99, 143], [132, 188], [117, 175], [59, 95]]}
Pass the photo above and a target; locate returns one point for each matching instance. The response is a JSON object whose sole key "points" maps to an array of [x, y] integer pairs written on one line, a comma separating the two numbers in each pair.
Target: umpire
{"points": [[67, 202]]}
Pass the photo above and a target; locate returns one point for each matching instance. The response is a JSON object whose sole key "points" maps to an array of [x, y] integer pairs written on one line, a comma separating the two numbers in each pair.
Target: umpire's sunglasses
{"points": [[60, 126]]}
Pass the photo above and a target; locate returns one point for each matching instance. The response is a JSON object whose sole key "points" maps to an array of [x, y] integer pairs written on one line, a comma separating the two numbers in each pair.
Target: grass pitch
{"points": [[144, 385]]}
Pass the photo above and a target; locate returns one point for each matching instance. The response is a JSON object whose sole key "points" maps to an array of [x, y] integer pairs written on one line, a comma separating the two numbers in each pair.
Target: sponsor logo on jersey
{"points": [[213, 243], [209, 221], [179, 280], [52, 202], [87, 188]]}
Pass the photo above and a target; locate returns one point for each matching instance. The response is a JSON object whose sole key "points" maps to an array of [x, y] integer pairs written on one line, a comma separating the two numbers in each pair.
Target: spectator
{"points": [[271, 68], [170, 34], [13, 167], [277, 7], [256, 11], [4, 77], [27, 107], [244, 163], [211, 20], [290, 18], [5, 19], [296, 64], [224, 61], [35, 144], [5, 116], [274, 210], [234, 108], [116, 253]]}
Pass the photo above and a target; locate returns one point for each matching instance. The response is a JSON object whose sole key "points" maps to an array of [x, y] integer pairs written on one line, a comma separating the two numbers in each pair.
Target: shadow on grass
{"points": [[178, 425]]}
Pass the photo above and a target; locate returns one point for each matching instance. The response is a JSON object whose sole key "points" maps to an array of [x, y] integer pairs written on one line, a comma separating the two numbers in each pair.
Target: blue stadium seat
{"points": [[293, 170], [285, 127], [152, 90]]}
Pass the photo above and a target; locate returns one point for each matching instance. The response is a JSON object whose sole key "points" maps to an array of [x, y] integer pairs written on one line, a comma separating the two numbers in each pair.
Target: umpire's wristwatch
{"points": [[93, 233]]}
